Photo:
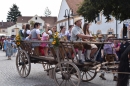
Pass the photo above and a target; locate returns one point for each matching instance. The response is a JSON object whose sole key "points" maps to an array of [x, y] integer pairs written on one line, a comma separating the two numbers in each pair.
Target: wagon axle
{"points": [[23, 63], [66, 76]]}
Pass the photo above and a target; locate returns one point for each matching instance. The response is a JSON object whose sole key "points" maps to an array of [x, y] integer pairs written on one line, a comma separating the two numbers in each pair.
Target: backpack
{"points": [[21, 34], [25, 34]]}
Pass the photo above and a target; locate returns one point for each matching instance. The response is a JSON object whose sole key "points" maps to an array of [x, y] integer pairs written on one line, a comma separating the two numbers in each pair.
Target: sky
{"points": [[30, 7]]}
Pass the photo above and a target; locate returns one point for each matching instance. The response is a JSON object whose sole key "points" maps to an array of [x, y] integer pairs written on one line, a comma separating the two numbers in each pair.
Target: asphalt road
{"points": [[38, 77]]}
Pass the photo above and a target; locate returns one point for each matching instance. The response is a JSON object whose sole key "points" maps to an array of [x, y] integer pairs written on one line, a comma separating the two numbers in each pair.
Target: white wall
{"points": [[9, 30], [94, 27], [38, 20], [105, 26], [63, 7], [21, 24], [71, 22]]}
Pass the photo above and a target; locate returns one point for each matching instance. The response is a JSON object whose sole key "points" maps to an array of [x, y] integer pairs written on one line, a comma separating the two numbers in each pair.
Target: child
{"points": [[14, 49]]}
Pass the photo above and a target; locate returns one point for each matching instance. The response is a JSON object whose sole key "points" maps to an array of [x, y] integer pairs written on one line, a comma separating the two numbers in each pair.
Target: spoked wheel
{"points": [[88, 74], [67, 74], [46, 66], [23, 63]]}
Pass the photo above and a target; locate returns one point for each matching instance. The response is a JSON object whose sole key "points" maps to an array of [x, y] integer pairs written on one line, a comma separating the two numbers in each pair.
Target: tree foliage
{"points": [[13, 14], [47, 12], [120, 9], [32, 23]]}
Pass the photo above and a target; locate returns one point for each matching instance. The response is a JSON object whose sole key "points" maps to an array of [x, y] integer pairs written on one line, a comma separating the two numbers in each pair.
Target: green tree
{"points": [[13, 14], [47, 12], [32, 24], [119, 9]]}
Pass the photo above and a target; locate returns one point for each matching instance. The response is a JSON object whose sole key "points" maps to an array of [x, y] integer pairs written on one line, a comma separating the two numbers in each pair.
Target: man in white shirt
{"points": [[77, 35]]}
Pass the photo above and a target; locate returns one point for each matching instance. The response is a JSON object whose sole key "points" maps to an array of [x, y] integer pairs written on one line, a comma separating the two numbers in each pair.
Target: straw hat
{"points": [[77, 19], [100, 36], [110, 36]]}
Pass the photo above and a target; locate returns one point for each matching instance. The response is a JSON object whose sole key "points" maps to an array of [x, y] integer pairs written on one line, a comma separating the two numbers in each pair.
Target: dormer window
{"points": [[12, 30], [36, 18], [99, 32], [110, 31], [3, 30], [99, 17]]}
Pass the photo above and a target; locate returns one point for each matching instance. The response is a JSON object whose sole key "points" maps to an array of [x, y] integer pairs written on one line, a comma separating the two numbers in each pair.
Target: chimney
{"points": [[2, 22]]}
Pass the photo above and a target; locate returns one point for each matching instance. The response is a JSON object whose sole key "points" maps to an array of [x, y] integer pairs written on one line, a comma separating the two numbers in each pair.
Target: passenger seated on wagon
{"points": [[51, 32], [21, 32], [68, 33], [45, 37], [26, 32], [62, 34], [93, 48], [35, 35], [77, 35]]}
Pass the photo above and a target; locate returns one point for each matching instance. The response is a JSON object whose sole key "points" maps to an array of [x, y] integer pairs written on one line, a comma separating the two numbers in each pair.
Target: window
{"points": [[99, 32], [124, 31], [36, 18], [13, 30], [99, 17], [109, 32], [3, 30]]}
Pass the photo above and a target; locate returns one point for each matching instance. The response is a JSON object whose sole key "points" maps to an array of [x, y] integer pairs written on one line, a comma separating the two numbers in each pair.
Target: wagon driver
{"points": [[77, 35]]}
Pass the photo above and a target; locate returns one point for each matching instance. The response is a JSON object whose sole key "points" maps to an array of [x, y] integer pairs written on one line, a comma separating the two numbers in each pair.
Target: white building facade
{"points": [[101, 26], [13, 30], [23, 20]]}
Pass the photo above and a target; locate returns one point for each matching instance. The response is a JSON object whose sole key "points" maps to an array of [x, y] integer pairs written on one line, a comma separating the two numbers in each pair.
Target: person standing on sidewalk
{"points": [[5, 44], [109, 49], [9, 51]]}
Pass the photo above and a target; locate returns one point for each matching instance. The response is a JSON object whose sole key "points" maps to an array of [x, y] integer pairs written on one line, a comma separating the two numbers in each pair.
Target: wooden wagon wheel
{"points": [[65, 74], [23, 63], [88, 74]]}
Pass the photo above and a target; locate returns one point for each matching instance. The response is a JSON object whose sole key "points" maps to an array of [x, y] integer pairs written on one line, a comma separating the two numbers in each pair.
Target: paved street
{"points": [[9, 76]]}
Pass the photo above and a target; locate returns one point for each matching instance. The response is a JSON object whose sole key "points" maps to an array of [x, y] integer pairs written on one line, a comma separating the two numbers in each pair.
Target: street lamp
{"points": [[68, 14]]}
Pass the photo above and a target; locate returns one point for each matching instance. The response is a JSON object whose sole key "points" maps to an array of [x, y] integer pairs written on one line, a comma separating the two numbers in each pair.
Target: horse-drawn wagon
{"points": [[61, 66]]}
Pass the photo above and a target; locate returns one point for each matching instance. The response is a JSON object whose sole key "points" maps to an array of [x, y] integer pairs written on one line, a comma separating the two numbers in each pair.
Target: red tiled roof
{"points": [[74, 4], [50, 20], [6, 24], [24, 19]]}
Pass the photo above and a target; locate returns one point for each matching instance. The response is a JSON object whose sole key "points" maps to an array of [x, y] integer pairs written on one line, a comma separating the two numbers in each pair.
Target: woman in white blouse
{"points": [[26, 32], [35, 35], [92, 49], [62, 34]]}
